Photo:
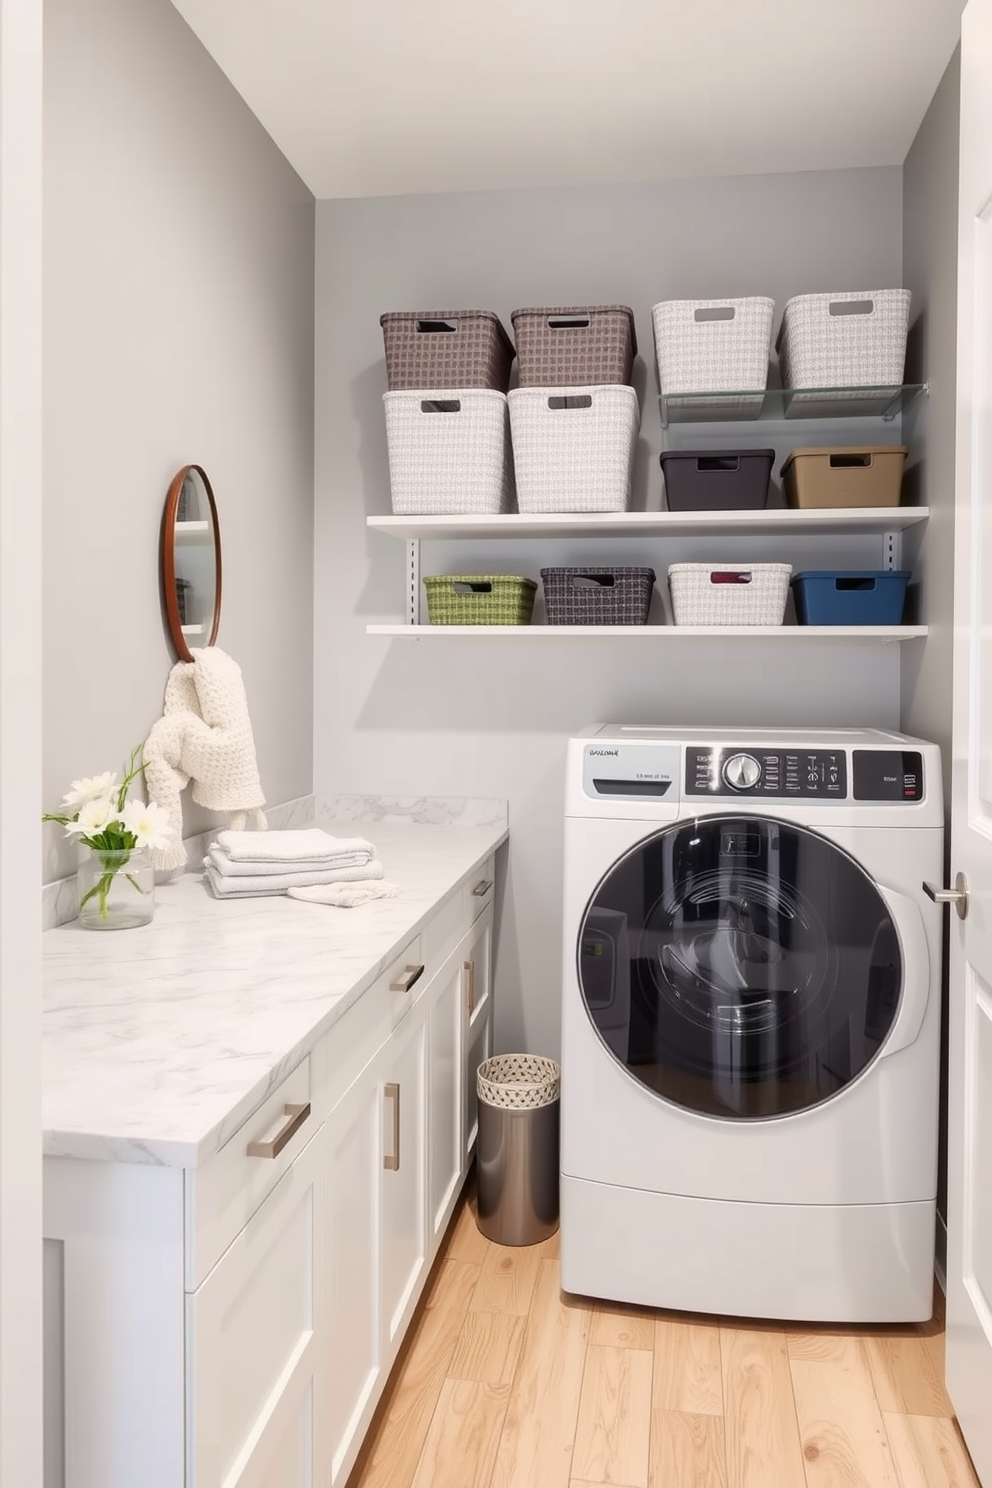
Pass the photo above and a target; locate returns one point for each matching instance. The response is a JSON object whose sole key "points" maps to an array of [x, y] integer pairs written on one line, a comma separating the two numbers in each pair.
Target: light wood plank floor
{"points": [[505, 1382]]}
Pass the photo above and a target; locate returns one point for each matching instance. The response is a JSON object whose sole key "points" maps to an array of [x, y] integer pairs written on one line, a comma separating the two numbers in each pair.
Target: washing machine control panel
{"points": [[799, 773]]}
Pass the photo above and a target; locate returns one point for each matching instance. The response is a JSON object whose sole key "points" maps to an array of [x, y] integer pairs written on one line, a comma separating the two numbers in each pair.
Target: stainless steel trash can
{"points": [[517, 1152]]}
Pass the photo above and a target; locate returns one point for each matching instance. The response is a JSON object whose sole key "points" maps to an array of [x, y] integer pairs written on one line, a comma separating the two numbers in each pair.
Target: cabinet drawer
{"points": [[341, 1056], [223, 1195], [254, 1371], [478, 892]]}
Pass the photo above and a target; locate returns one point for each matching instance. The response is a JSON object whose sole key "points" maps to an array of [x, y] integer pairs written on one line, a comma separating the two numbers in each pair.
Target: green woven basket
{"points": [[480, 599]]}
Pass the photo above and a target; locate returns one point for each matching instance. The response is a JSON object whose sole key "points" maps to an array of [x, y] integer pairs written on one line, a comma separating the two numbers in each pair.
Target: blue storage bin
{"points": [[850, 597]]}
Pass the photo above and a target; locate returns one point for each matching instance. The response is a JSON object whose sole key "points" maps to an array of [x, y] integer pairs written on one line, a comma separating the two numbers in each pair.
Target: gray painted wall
{"points": [[491, 718], [930, 232], [178, 300]]}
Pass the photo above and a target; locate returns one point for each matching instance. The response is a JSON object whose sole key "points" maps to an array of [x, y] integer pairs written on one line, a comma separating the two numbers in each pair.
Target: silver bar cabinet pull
{"points": [[404, 982], [391, 1160], [296, 1116], [958, 896], [469, 969], [482, 889]]}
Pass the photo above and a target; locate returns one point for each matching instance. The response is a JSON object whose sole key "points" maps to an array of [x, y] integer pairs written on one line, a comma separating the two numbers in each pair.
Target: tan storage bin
{"points": [[865, 475]]}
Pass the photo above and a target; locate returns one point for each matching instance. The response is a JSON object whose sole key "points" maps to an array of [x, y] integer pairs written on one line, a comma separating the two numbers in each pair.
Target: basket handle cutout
{"points": [[568, 322], [718, 462], [852, 307], [436, 327], [593, 581], [441, 405], [461, 587], [860, 586], [850, 462], [724, 576], [577, 400], [716, 312]]}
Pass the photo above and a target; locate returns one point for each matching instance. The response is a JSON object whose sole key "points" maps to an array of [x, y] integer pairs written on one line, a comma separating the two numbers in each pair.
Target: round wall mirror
{"points": [[191, 567]]}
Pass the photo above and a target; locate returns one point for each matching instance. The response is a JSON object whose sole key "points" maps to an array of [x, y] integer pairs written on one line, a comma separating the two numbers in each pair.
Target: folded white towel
{"points": [[247, 868], [305, 844], [203, 736], [346, 895], [230, 886]]}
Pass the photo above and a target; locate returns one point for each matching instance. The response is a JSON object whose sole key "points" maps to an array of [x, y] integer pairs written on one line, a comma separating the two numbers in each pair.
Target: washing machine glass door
{"points": [[740, 967]]}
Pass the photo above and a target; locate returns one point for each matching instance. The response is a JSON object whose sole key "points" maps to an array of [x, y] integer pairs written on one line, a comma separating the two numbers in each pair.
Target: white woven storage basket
{"points": [[449, 452], [519, 1082], [729, 593], [845, 340], [573, 448], [713, 346]]}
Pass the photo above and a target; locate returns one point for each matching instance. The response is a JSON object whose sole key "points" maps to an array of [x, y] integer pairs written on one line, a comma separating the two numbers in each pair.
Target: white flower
{"points": [[150, 824], [90, 788], [93, 817]]}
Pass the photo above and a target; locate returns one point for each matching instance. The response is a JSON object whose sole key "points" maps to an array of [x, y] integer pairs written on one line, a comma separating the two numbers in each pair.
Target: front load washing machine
{"points": [[751, 1021]]}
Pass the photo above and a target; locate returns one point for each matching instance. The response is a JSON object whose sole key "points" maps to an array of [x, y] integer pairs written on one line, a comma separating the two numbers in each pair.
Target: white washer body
{"points": [[825, 1213]]}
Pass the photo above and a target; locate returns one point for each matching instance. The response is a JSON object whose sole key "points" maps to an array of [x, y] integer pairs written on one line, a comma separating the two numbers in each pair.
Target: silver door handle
{"points": [[482, 889], [297, 1114], [391, 1161], [468, 968], [958, 896], [405, 981]]}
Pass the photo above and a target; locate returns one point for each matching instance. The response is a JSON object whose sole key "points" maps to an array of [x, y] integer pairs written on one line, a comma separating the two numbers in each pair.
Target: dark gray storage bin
{"points": [[717, 480], [598, 596]]}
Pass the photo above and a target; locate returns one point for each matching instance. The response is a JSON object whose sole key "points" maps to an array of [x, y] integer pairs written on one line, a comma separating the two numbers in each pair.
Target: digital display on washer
{"points": [[888, 775], [763, 773]]}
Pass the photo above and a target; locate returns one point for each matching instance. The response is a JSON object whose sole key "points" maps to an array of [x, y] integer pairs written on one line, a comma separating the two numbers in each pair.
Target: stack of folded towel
{"points": [[307, 863]]}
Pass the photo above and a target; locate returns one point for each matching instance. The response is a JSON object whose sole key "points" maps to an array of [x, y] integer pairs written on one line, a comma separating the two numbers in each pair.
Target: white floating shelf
{"points": [[820, 522], [193, 532], [654, 632]]}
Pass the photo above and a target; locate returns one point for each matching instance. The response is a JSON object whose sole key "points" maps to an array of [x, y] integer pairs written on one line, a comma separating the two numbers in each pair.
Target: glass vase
{"points": [[116, 889]]}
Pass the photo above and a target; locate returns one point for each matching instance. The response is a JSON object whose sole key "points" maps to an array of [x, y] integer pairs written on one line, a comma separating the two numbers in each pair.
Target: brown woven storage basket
{"points": [[575, 345], [437, 349]]}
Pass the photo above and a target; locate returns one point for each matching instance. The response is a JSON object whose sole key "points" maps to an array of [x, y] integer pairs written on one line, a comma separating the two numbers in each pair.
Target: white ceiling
{"points": [[375, 97]]}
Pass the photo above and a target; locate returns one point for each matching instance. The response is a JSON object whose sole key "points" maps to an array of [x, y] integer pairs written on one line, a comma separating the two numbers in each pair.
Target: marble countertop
{"points": [[158, 1042]]}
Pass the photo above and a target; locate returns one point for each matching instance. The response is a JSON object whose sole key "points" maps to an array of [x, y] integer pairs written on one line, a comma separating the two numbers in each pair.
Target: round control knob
{"points": [[742, 772]]}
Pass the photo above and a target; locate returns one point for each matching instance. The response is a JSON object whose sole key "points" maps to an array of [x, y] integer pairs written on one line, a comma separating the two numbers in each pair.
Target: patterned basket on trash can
{"points": [[518, 1081]]}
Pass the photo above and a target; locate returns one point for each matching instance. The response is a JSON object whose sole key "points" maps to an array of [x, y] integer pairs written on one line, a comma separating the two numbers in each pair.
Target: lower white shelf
{"points": [[669, 632]]}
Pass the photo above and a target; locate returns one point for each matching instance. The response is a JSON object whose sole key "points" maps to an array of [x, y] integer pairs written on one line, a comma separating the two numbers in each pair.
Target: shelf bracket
{"points": [[412, 607], [891, 551]]}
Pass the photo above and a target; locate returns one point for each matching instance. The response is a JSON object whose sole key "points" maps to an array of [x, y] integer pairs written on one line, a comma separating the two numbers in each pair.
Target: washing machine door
{"points": [[756, 961]]}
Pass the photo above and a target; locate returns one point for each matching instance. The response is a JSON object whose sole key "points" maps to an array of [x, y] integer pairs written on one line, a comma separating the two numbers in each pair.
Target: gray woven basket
{"points": [[573, 447], [598, 596], [854, 339], [449, 452], [446, 349], [574, 345], [713, 346]]}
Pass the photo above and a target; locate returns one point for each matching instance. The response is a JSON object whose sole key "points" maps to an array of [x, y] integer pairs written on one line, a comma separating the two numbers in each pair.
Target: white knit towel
{"points": [[306, 846], [231, 867], [346, 896], [229, 886], [203, 736]]}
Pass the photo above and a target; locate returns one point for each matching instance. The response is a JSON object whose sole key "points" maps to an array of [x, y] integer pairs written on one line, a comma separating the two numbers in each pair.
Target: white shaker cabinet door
{"points": [[354, 1353], [446, 998], [403, 1169], [476, 952], [255, 1381]]}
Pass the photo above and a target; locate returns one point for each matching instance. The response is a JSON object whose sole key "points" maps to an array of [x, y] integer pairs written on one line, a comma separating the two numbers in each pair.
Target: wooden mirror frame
{"points": [[168, 564]]}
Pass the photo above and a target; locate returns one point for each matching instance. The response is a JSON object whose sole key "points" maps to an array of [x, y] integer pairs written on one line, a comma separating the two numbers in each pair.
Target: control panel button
{"points": [[742, 772]]}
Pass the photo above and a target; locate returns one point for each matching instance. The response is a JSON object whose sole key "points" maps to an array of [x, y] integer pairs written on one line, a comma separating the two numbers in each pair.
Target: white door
{"points": [[969, 1241], [255, 1355], [403, 1094], [354, 1354], [476, 954], [444, 999], [20, 743]]}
